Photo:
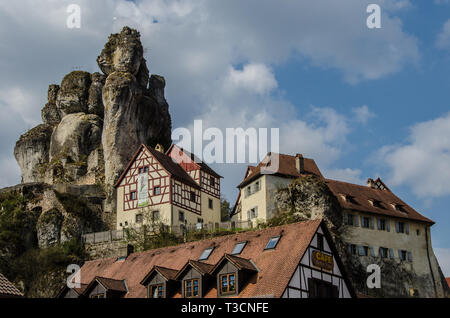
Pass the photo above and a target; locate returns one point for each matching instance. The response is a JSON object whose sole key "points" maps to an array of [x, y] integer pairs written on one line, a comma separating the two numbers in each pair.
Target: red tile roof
{"points": [[203, 166], [109, 283], [7, 288], [275, 266], [286, 167], [361, 196]]}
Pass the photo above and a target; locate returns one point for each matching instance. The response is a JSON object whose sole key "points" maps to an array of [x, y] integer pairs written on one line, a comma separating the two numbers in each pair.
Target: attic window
{"points": [[376, 203], [272, 243], [238, 248], [206, 254], [398, 207], [348, 198]]}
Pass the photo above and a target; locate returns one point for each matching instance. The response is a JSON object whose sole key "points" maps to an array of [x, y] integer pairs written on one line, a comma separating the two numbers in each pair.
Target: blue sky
{"points": [[362, 103]]}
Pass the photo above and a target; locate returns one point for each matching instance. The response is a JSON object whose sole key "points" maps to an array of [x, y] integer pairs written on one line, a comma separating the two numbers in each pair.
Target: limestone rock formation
{"points": [[32, 150], [134, 114], [92, 123]]}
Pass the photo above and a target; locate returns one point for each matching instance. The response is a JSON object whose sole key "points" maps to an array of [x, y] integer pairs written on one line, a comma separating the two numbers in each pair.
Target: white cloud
{"points": [[443, 39], [443, 257], [423, 162], [347, 175], [253, 77], [362, 114]]}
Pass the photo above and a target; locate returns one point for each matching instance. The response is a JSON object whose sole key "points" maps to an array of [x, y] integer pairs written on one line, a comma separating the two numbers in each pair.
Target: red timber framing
{"points": [[158, 177], [204, 176], [181, 197]]}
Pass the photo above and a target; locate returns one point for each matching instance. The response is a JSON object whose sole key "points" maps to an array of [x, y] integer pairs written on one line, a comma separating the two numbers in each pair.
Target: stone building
{"points": [[376, 226], [297, 260], [174, 188]]}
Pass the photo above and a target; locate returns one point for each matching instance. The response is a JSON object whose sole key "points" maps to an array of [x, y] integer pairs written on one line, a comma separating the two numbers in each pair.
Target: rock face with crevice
{"points": [[93, 123]]}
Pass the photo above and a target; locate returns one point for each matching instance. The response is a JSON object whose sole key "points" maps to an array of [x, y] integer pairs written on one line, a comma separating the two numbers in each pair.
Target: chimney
{"points": [[130, 249], [159, 148], [300, 163]]}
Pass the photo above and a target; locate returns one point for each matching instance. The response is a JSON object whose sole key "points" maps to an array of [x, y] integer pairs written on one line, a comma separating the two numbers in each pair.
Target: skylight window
{"points": [[238, 248], [206, 254], [272, 243]]}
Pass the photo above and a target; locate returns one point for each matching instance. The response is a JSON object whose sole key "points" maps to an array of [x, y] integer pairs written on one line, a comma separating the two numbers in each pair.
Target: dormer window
{"points": [[376, 203], [238, 248], [398, 207], [206, 254], [191, 288], [272, 243], [227, 284], [156, 291]]}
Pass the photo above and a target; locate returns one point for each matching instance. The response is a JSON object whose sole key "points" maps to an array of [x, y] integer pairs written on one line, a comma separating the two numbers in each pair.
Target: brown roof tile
{"points": [[111, 284], [203, 166], [286, 167], [7, 288], [361, 196], [275, 266]]}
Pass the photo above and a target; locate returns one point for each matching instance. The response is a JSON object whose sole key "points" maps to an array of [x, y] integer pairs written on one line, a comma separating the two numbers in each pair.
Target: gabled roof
{"points": [[166, 162], [203, 166], [202, 268], [167, 273], [118, 285], [8, 289], [79, 291], [286, 167], [275, 266], [362, 195], [239, 262]]}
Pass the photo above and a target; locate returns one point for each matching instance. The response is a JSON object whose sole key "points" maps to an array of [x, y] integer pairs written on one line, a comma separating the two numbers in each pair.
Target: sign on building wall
{"points": [[322, 260], [143, 189]]}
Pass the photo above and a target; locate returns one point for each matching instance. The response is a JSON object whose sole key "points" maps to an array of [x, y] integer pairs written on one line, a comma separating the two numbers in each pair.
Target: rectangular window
{"points": [[141, 170], [145, 169], [156, 190], [156, 291], [238, 248], [248, 191], [192, 196], [320, 241], [272, 243], [257, 186], [155, 216], [227, 284], [133, 195], [191, 288], [402, 255], [206, 254], [401, 227], [351, 248], [322, 289], [181, 216], [139, 218], [382, 224], [98, 296], [383, 252], [212, 181], [365, 222], [350, 219], [363, 250], [210, 203]]}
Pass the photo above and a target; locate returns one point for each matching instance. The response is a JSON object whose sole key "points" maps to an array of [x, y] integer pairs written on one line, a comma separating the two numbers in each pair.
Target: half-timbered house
{"points": [[171, 187], [297, 260]]}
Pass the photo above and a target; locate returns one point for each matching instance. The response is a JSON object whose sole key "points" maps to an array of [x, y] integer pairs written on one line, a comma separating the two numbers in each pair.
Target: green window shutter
{"points": [[356, 219], [371, 222], [410, 256], [362, 220], [379, 224], [372, 251], [407, 227], [397, 227], [345, 218], [388, 225], [400, 254], [391, 253]]}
